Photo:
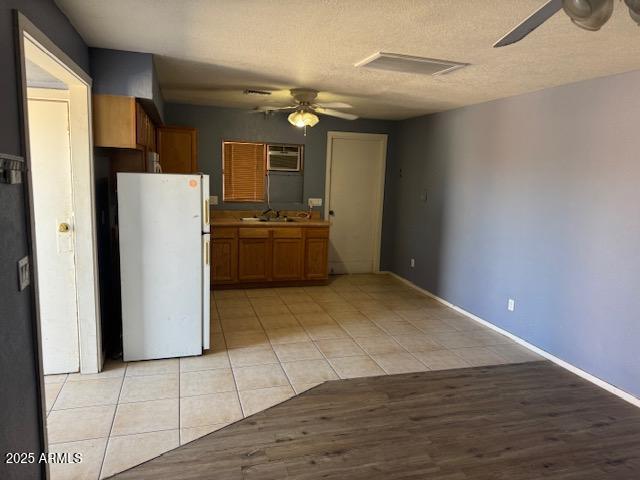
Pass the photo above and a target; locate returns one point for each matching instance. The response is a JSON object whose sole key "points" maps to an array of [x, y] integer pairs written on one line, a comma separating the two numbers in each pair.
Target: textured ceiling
{"points": [[209, 51]]}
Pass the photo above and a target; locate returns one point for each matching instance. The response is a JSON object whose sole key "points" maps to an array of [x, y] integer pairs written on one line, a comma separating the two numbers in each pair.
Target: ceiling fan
{"points": [[305, 108], [587, 14]]}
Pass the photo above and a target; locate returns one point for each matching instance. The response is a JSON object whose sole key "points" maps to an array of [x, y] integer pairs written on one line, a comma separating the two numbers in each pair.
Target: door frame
{"points": [[382, 138], [31, 42]]}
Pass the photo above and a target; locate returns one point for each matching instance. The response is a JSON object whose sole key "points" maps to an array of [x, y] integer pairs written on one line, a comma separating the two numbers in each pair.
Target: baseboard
{"points": [[626, 396]]}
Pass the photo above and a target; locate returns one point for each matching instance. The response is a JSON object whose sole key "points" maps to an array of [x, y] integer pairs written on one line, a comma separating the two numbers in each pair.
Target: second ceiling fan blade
{"points": [[532, 22], [333, 105], [335, 113], [274, 109]]}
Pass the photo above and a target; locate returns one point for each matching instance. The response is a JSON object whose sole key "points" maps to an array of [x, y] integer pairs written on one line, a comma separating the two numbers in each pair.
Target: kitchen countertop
{"points": [[298, 222]]}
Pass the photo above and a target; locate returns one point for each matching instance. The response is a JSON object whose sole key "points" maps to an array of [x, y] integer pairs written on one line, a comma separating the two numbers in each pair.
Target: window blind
{"points": [[243, 172]]}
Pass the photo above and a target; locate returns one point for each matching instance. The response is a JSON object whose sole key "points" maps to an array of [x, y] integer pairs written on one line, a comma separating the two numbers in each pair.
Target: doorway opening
{"points": [[56, 103], [354, 196]]}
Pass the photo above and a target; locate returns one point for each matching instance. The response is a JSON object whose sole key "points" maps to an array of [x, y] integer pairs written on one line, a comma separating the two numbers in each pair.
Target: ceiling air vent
{"points": [[397, 62]]}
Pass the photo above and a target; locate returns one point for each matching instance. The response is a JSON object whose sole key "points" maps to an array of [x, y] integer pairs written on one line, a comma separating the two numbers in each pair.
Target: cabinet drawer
{"points": [[253, 232], [287, 233], [317, 232], [224, 232]]}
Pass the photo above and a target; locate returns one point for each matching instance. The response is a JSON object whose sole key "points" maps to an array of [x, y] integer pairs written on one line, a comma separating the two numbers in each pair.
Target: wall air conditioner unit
{"points": [[284, 158]]}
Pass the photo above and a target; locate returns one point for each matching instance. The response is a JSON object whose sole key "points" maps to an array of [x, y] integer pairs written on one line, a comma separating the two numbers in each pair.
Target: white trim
{"points": [[573, 369], [382, 138], [39, 49]]}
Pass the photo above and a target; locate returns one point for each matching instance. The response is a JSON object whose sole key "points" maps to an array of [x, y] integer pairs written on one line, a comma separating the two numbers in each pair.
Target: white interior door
{"points": [[54, 233], [356, 164]]}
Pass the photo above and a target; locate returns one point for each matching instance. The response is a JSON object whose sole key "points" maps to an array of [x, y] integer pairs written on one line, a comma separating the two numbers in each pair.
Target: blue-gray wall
{"points": [[118, 72], [536, 198], [288, 191], [20, 396]]}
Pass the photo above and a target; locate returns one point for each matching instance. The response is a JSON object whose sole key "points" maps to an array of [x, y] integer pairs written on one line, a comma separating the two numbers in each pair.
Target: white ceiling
{"points": [[210, 50]]}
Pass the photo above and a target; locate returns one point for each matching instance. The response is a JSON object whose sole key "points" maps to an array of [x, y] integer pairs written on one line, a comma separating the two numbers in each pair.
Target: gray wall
{"points": [[118, 72], [19, 400], [288, 191], [535, 198]]}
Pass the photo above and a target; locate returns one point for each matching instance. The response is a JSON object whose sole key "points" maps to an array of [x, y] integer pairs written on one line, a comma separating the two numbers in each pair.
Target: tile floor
{"points": [[268, 345]]}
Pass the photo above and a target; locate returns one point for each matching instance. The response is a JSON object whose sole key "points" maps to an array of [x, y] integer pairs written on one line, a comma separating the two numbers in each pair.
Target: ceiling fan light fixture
{"points": [[634, 9], [303, 118], [588, 14]]}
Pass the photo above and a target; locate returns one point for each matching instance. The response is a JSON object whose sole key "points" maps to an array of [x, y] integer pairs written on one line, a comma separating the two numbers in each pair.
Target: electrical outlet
{"points": [[213, 199], [315, 202], [511, 305], [413, 263]]}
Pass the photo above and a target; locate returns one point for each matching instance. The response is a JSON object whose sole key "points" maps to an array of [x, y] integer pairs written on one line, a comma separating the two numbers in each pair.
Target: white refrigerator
{"points": [[163, 227]]}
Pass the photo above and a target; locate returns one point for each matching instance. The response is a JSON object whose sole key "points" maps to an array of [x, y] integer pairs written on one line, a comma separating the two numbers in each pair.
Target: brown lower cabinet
{"points": [[262, 255], [316, 252], [224, 255], [287, 261], [254, 254]]}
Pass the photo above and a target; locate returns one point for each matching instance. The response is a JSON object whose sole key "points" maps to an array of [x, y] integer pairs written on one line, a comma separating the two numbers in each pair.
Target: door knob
{"points": [[64, 227], [331, 212]]}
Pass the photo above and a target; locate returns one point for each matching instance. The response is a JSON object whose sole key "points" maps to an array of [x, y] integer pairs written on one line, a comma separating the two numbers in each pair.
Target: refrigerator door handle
{"points": [[206, 291], [206, 212]]}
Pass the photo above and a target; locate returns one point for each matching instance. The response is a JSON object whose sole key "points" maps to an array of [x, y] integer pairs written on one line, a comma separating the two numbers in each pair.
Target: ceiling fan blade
{"points": [[335, 113], [273, 109], [532, 22], [333, 105]]}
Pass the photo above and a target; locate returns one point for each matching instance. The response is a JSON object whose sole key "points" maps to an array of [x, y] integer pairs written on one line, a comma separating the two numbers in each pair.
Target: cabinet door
{"points": [[114, 121], [316, 258], [177, 147], [287, 259], [254, 259], [142, 122], [224, 261], [151, 137]]}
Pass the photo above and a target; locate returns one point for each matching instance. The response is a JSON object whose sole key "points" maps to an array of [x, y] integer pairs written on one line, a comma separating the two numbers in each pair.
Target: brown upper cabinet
{"points": [[177, 147], [121, 122]]}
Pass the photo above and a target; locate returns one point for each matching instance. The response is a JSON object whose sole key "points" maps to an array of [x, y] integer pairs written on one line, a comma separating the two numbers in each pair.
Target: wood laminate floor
{"points": [[526, 421]]}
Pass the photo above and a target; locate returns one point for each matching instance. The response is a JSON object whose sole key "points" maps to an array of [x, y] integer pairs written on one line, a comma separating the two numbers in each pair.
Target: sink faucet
{"points": [[276, 213]]}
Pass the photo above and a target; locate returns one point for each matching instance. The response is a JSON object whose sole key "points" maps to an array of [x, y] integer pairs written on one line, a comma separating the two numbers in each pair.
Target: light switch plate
{"points": [[213, 199], [315, 202], [24, 278]]}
